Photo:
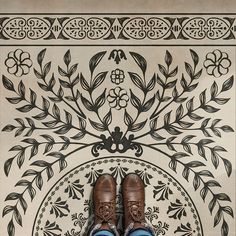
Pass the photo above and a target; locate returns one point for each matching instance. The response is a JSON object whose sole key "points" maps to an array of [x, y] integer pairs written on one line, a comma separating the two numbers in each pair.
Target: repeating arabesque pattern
{"points": [[96, 27]]}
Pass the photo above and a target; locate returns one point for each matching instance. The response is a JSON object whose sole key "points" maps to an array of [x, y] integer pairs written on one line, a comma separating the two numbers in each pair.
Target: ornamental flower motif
{"points": [[117, 76], [18, 63], [217, 63], [118, 98]]}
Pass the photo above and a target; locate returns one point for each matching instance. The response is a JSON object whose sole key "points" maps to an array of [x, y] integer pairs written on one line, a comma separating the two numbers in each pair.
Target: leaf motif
{"points": [[12, 196], [136, 79], [108, 118], [228, 166], [29, 173], [179, 112], [97, 126], [173, 164], [228, 210], [21, 89], [84, 83], [151, 83], [14, 100], [194, 164], [63, 129], [163, 70], [100, 100], [212, 204], [23, 204], [95, 60], [214, 90], [227, 128], [194, 57], [138, 126], [224, 228], [11, 228], [79, 135], [7, 209], [98, 80], [56, 154], [39, 181], [156, 136], [25, 108], [218, 217], [173, 72], [7, 166], [171, 130], [7, 83], [128, 118], [62, 164], [223, 197], [46, 68], [167, 118], [40, 163], [49, 172], [64, 84], [189, 69], [228, 84], [73, 69], [168, 58], [135, 101], [67, 57], [210, 109], [206, 173], [8, 128], [88, 105], [147, 105], [140, 60], [41, 56], [196, 182]]}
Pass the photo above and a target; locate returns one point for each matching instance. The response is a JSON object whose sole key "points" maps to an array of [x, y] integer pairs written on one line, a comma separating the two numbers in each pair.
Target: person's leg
{"points": [[134, 201], [104, 201], [140, 232], [103, 233]]}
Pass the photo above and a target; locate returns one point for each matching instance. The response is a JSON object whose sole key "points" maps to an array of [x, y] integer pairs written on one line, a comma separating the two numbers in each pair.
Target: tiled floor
{"points": [[87, 94]]}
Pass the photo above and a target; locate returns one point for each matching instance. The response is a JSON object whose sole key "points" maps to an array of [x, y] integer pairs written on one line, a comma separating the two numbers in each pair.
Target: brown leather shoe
{"points": [[104, 196], [134, 203]]}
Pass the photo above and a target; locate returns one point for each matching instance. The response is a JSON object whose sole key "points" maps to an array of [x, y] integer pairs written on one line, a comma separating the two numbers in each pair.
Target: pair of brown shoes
{"points": [[104, 199]]}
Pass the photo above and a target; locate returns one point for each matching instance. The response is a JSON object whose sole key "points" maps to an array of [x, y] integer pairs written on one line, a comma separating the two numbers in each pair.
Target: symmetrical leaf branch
{"points": [[46, 168], [94, 105], [49, 86], [56, 124], [166, 84], [187, 86], [145, 88], [205, 186]]}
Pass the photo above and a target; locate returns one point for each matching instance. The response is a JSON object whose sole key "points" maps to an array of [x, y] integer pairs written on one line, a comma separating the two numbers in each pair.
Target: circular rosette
{"points": [[117, 76], [18, 63], [118, 98], [217, 63]]}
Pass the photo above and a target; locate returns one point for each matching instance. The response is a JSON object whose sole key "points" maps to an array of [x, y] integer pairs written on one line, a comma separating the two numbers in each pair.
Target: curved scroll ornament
{"points": [[140, 28], [212, 28], [32, 28], [75, 107], [92, 28]]}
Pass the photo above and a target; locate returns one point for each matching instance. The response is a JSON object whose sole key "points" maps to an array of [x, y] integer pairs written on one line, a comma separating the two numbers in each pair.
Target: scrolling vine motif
{"points": [[151, 117]]}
